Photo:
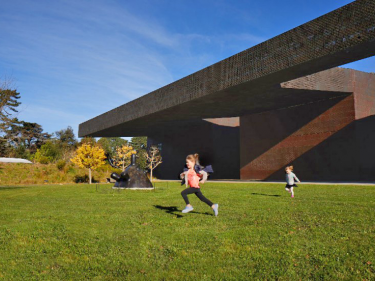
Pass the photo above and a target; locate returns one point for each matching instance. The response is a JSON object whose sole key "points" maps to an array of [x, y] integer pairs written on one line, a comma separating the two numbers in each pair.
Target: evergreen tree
{"points": [[26, 134], [139, 144], [66, 137], [9, 101], [8, 104]]}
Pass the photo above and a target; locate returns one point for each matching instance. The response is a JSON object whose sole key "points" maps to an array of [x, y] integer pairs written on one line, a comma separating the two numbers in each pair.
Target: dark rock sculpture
{"points": [[133, 177]]}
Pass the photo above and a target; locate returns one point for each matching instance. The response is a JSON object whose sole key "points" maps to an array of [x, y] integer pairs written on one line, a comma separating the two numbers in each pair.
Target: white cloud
{"points": [[74, 60]]}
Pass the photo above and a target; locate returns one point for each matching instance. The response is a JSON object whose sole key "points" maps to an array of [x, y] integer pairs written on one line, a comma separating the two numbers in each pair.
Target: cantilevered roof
{"points": [[250, 81]]}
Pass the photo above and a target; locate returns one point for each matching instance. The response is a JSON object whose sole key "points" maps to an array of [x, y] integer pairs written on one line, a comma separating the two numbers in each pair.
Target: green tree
{"points": [[29, 135], [110, 145], [20, 152], [17, 138], [4, 149], [9, 101], [139, 144], [67, 143], [88, 140], [66, 137], [33, 136], [48, 152]]}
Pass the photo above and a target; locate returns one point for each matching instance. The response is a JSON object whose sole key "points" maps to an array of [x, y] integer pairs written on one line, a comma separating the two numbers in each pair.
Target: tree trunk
{"points": [[90, 175], [151, 174]]}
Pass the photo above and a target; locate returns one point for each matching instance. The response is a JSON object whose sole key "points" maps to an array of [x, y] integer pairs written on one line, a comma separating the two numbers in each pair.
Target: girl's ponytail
{"points": [[194, 158], [196, 155]]}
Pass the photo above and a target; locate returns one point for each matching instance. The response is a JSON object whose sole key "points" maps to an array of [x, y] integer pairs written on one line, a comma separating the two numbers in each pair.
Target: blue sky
{"points": [[73, 60]]}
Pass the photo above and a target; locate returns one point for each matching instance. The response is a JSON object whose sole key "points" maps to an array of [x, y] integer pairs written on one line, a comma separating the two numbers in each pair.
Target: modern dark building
{"points": [[283, 101]]}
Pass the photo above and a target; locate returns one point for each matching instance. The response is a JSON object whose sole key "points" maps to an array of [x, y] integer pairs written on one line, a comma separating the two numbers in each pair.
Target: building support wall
{"points": [[330, 140], [327, 140], [215, 140]]}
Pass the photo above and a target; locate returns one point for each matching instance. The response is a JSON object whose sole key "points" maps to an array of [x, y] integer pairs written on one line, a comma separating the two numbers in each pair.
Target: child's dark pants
{"points": [[197, 192]]}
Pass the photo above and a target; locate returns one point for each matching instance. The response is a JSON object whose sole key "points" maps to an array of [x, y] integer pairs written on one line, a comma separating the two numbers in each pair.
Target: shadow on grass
{"points": [[170, 210], [262, 194], [11, 187], [176, 212]]}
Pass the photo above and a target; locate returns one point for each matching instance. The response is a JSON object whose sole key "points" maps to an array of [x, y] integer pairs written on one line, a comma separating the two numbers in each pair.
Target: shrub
{"points": [[83, 179], [43, 159], [47, 153], [71, 169], [60, 164]]}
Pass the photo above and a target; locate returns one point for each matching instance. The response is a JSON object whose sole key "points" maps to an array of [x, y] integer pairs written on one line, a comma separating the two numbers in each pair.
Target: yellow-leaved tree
{"points": [[90, 157], [123, 155]]}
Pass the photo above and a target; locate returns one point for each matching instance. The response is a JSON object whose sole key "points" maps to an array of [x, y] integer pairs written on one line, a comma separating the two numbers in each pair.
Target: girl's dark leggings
{"points": [[197, 192]]}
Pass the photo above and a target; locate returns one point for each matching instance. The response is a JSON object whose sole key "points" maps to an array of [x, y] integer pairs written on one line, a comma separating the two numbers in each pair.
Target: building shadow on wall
{"points": [[311, 134], [347, 155], [262, 131]]}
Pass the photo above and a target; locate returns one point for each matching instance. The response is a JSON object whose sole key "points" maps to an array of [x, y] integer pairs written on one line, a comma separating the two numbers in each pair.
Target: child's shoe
{"points": [[292, 196], [216, 209], [187, 209]]}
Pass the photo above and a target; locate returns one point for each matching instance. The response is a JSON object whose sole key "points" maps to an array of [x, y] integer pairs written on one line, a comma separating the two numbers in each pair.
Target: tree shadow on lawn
{"points": [[262, 194], [173, 209], [11, 187]]}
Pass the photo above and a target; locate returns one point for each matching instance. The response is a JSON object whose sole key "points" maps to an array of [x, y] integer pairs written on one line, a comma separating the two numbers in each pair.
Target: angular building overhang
{"points": [[251, 81]]}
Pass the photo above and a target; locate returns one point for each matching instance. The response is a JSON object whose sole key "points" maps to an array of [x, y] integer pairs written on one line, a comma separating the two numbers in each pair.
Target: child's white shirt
{"points": [[290, 178]]}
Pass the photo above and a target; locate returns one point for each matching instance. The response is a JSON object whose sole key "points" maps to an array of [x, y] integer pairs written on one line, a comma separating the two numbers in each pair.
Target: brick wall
{"points": [[271, 140], [330, 134]]}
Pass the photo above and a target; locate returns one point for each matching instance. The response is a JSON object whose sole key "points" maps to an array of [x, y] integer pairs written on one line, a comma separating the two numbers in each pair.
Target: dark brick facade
{"points": [[217, 142], [332, 139], [325, 140]]}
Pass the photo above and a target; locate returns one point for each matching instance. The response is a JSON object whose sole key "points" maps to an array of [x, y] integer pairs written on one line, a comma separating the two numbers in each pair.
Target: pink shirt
{"points": [[193, 179]]}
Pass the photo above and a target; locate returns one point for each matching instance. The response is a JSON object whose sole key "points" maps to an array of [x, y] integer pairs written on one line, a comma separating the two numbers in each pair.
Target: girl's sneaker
{"points": [[187, 209], [292, 196], [216, 209]]}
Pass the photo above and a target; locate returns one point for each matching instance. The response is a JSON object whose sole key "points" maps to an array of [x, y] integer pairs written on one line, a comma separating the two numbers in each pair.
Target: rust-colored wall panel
{"points": [[364, 94]]}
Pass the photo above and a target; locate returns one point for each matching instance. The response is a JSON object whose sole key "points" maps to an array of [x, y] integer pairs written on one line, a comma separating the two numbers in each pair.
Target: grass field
{"points": [[77, 232]]}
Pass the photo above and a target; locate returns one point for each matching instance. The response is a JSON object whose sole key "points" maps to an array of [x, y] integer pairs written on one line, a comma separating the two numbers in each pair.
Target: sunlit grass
{"points": [[84, 232]]}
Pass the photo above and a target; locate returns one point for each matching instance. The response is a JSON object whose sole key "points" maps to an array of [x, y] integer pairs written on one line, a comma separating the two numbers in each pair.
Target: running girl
{"points": [[290, 177], [199, 169], [192, 178]]}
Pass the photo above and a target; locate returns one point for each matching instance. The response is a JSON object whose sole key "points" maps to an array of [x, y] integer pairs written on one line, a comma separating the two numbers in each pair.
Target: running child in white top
{"points": [[290, 180]]}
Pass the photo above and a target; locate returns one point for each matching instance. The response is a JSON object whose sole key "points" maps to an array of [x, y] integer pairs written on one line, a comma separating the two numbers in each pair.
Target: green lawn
{"points": [[75, 232]]}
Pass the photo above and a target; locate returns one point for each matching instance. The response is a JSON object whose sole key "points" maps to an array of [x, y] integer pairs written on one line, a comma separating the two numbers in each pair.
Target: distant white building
{"points": [[14, 160]]}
